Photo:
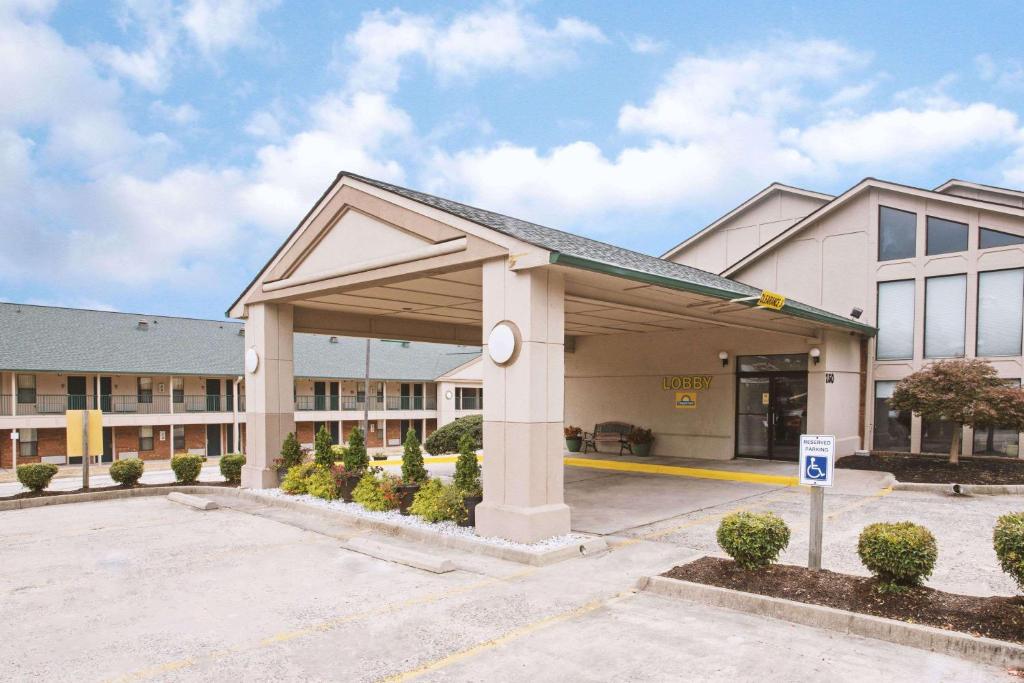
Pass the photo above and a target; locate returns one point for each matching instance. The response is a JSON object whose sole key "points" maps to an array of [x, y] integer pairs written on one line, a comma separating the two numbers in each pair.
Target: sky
{"points": [[155, 153]]}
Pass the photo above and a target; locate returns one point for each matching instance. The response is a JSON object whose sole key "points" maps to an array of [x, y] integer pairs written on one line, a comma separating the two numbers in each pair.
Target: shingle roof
{"points": [[52, 339], [586, 249]]}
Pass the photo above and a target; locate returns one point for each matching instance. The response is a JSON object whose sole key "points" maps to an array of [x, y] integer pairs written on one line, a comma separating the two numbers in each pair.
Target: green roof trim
{"points": [[805, 313]]}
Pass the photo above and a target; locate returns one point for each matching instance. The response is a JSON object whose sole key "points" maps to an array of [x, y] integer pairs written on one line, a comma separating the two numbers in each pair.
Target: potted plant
{"points": [[291, 455], [413, 471], [573, 438], [641, 439], [353, 465], [467, 478]]}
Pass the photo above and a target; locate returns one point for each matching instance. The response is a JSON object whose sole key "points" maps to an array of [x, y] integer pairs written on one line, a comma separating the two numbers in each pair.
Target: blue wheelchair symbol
{"points": [[816, 468]]}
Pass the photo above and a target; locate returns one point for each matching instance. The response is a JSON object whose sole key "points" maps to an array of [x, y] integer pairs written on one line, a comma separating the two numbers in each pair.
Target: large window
{"points": [[178, 432], [936, 436], [145, 438], [28, 442], [178, 389], [895, 320], [944, 237], [997, 440], [989, 238], [892, 427], [1000, 309], [945, 306], [26, 388], [145, 393], [897, 234], [469, 398]]}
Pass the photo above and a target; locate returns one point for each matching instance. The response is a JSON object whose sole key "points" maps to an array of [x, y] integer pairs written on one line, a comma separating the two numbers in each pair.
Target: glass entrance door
{"points": [[771, 407], [789, 416], [752, 417]]}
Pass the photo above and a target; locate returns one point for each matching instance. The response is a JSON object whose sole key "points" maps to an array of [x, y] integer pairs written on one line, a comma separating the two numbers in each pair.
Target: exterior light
{"points": [[857, 312], [724, 357], [816, 355]]}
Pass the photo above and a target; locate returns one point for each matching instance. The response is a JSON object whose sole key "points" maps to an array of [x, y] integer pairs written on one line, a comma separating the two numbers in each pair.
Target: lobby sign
{"points": [[686, 382], [771, 300], [686, 399]]}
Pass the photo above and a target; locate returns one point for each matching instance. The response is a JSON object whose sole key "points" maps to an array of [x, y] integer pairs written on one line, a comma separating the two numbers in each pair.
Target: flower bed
{"points": [[115, 487], [928, 469]]}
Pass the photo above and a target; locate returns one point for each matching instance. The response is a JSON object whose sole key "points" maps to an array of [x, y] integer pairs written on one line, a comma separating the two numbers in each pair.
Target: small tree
{"points": [[413, 471], [467, 468], [291, 453], [965, 392], [356, 460], [322, 453]]}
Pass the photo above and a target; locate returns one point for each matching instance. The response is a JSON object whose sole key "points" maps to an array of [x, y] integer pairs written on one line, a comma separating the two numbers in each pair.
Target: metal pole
{"points": [[85, 449], [366, 391], [817, 518]]}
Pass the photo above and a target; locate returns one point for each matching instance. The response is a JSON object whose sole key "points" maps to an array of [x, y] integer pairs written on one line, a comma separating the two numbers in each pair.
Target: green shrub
{"points": [[323, 455], [295, 481], [356, 461], [127, 472], [320, 483], [467, 468], [338, 451], [446, 439], [378, 494], [1008, 539], [437, 502], [413, 471], [899, 554], [36, 477], [753, 540], [291, 453], [187, 467], [231, 467]]}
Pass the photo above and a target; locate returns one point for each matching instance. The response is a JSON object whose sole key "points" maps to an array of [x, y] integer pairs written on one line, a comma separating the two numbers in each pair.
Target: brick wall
{"points": [[304, 432], [195, 437], [374, 439], [431, 427], [394, 428]]}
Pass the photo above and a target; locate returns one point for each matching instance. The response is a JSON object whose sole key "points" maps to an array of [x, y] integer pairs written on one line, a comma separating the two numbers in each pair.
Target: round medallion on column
{"points": [[503, 343], [252, 361]]}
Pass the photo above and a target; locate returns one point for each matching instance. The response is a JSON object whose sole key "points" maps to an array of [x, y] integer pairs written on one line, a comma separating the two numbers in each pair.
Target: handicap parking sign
{"points": [[817, 459]]}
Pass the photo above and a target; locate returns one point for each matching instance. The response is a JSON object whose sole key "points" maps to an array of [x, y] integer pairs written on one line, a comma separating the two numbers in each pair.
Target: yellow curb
{"points": [[675, 471], [426, 461]]}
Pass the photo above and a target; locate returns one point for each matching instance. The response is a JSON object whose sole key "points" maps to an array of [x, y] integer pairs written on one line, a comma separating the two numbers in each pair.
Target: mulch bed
{"points": [[994, 617], [926, 469], [115, 487]]}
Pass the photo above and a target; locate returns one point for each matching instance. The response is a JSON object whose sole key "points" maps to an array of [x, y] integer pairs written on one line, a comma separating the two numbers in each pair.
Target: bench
{"points": [[614, 433]]}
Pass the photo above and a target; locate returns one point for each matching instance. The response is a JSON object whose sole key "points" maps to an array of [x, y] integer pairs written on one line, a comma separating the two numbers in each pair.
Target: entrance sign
{"points": [[771, 300], [817, 459], [686, 399], [686, 382]]}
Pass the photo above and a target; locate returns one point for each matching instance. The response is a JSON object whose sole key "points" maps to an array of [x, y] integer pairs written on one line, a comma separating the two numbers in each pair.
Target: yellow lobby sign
{"points": [[686, 399], [75, 419], [686, 382], [771, 300]]}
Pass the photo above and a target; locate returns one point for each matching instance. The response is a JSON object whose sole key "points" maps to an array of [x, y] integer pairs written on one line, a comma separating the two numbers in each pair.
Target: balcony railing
{"points": [[336, 403], [5, 405], [469, 403], [133, 404]]}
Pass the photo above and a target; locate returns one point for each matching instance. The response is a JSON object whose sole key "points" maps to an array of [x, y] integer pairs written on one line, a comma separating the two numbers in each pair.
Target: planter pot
{"points": [[642, 449], [346, 485], [406, 493], [573, 443], [471, 502], [281, 474]]}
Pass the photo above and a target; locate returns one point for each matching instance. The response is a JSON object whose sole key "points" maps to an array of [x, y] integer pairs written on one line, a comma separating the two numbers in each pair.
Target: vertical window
{"points": [[178, 389], [945, 306], [28, 442], [897, 234], [945, 237], [892, 427], [179, 437], [145, 438], [1000, 312], [988, 238], [145, 392], [998, 440], [936, 436], [26, 388], [895, 320]]}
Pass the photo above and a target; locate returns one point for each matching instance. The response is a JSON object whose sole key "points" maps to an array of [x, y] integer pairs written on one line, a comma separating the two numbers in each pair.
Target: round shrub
{"points": [[378, 494], [127, 472], [437, 502], [898, 554], [187, 467], [231, 467], [295, 481], [320, 483], [446, 439], [1008, 539], [753, 540], [36, 477]]}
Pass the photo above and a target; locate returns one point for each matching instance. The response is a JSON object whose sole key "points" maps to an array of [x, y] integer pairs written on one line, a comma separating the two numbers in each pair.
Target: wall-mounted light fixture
{"points": [[724, 357], [816, 355], [857, 312]]}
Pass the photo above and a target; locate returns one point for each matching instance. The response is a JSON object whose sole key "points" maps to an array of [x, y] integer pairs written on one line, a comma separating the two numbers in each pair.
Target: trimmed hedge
{"points": [[187, 467], [231, 467], [447, 438], [413, 471], [1008, 539], [467, 468], [437, 502], [753, 540], [37, 476], [898, 554], [127, 472]]}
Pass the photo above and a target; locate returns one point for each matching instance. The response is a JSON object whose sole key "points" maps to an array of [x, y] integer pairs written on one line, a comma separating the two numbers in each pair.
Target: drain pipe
{"points": [[959, 490]]}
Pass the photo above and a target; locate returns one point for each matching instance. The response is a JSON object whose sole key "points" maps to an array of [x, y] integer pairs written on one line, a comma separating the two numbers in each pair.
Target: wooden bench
{"points": [[615, 433]]}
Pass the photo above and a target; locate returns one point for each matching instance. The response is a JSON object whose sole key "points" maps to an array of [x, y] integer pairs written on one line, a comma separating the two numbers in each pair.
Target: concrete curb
{"points": [[963, 489], [27, 503], [977, 649], [399, 555], [192, 501]]}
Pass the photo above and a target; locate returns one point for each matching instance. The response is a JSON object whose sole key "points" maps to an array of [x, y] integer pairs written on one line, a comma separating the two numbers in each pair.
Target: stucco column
{"points": [[269, 408], [833, 391], [522, 471]]}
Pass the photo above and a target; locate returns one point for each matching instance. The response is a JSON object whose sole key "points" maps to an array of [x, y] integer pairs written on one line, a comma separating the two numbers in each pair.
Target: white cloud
{"points": [[263, 124], [216, 25], [1007, 74], [645, 45], [181, 114]]}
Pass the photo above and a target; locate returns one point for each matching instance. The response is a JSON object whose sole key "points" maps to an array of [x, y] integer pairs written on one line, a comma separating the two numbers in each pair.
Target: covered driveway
{"points": [[572, 329]]}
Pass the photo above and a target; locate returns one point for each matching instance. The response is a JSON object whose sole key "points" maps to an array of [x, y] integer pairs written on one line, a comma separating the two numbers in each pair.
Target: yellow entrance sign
{"points": [[75, 419], [771, 300], [694, 382], [686, 399]]}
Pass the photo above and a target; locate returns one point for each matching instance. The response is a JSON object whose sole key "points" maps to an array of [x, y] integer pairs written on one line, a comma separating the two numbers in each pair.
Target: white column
{"points": [[170, 389], [14, 393], [270, 408], [234, 415], [523, 469]]}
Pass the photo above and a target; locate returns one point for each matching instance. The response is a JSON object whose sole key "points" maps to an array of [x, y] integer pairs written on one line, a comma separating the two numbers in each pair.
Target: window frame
{"points": [[178, 389], [144, 439], [174, 438], [913, 329], [924, 320], [875, 419], [33, 388], [33, 443], [144, 395], [882, 207], [977, 316], [982, 229], [927, 236]]}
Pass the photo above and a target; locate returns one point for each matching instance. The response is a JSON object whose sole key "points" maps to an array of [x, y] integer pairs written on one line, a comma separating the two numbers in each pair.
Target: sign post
{"points": [[84, 437], [817, 465]]}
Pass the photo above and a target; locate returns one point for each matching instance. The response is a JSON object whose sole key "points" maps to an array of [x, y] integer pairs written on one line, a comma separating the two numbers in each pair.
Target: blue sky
{"points": [[153, 154]]}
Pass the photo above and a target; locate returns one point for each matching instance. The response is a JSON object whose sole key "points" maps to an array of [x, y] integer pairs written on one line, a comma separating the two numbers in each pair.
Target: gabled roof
{"points": [[954, 182], [757, 198], [53, 339], [854, 191]]}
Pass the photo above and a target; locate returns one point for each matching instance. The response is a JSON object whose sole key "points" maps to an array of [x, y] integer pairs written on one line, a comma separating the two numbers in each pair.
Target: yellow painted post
{"points": [[84, 437]]}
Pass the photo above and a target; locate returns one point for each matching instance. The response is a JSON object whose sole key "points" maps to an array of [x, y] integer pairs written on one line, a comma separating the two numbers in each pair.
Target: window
{"points": [[895, 320], [945, 237], [28, 442], [178, 389], [996, 440], [178, 432], [1000, 312], [26, 388], [945, 302], [469, 398], [145, 393], [897, 234], [796, 362], [988, 238], [936, 436], [892, 427], [145, 438]]}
